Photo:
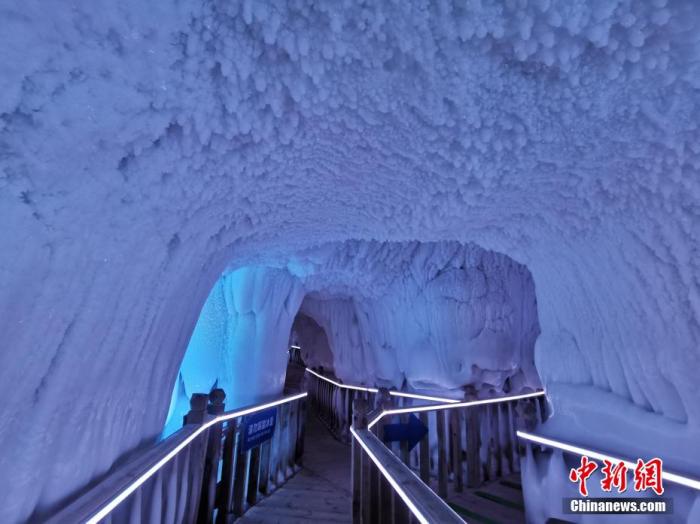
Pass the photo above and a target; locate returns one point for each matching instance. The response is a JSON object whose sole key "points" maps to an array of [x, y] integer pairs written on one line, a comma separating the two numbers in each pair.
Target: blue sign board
{"points": [[258, 427], [412, 432]]}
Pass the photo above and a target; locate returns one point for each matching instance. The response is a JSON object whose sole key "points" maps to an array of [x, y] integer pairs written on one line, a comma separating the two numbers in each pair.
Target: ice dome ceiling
{"points": [[145, 147]]}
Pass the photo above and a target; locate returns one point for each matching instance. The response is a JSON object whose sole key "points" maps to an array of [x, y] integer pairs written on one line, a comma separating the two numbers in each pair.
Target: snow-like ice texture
{"points": [[430, 317], [239, 343], [145, 146], [312, 339]]}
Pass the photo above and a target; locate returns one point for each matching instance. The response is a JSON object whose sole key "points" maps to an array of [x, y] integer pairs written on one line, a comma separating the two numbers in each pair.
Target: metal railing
{"points": [[384, 488], [476, 439], [206, 472], [201, 473], [295, 355], [476, 442], [333, 400]]}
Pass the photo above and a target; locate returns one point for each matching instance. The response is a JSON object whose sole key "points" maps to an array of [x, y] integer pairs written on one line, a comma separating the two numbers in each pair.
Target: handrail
{"points": [[85, 508], [342, 386], [103, 498], [376, 390], [469, 403], [667, 475], [423, 502]]}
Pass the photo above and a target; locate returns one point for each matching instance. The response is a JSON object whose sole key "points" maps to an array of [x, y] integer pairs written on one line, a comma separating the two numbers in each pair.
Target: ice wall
{"points": [[312, 339], [144, 146], [428, 316], [239, 343]]}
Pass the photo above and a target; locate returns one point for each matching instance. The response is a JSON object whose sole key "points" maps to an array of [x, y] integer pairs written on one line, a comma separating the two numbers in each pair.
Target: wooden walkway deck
{"points": [[320, 492]]}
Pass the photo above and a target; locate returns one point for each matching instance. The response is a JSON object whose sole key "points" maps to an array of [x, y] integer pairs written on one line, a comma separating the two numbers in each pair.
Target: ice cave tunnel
{"points": [[431, 317], [456, 199]]}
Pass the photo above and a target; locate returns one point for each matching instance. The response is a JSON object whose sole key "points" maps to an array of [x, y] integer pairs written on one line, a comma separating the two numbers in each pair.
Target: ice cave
{"points": [[472, 221]]}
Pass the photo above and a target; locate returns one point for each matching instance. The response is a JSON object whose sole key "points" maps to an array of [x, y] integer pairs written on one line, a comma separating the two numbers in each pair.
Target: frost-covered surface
{"points": [[312, 339], [144, 146], [418, 316], [239, 343], [432, 316]]}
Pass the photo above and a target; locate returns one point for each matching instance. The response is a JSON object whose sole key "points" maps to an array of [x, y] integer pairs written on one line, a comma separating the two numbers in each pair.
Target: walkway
{"points": [[320, 492]]}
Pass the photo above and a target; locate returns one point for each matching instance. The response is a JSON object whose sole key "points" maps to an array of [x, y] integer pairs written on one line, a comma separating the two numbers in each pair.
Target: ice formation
{"points": [[147, 146], [405, 315], [432, 316], [240, 340]]}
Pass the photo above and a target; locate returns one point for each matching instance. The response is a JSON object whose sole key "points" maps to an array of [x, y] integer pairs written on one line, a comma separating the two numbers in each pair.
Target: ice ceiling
{"points": [[147, 146]]}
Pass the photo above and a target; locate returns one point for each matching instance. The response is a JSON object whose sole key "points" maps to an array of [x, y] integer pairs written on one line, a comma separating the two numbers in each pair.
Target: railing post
{"points": [[264, 480], [293, 432], [211, 460], [196, 415], [359, 478], [442, 453], [424, 451], [384, 402], [456, 448], [526, 413], [301, 432], [514, 453], [198, 409], [253, 476], [473, 440], [225, 502], [240, 474]]}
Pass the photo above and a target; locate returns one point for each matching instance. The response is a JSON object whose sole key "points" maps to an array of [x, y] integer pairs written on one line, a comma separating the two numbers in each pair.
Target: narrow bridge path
{"points": [[320, 492]]}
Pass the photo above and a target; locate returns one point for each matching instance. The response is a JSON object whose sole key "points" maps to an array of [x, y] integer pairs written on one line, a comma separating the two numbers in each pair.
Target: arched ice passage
{"points": [[144, 146], [429, 317]]}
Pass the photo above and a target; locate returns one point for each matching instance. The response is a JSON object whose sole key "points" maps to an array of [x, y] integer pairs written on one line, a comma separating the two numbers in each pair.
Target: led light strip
{"points": [[393, 393], [423, 397], [421, 518], [106, 510], [345, 386], [420, 409], [671, 477]]}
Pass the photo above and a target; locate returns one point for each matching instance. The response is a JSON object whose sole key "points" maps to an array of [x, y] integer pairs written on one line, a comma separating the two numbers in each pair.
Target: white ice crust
{"points": [[146, 147]]}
